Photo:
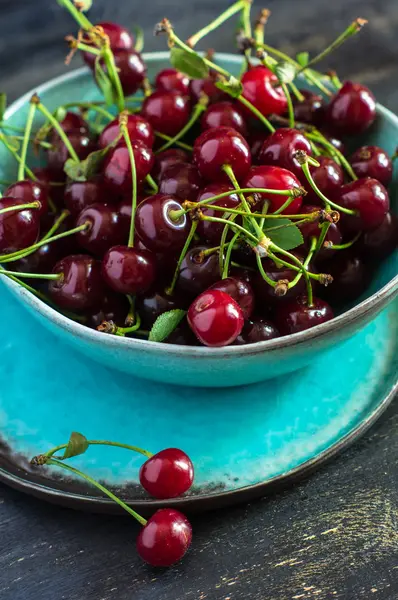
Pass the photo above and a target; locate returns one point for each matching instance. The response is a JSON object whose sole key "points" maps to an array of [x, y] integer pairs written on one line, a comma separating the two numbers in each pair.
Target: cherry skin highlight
{"points": [[155, 226]]}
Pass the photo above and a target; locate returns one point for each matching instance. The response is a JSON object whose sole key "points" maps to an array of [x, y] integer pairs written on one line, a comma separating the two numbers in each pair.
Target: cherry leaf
{"points": [[85, 169], [302, 58], [3, 105], [77, 444], [165, 324], [189, 63], [285, 72], [233, 87], [284, 233]]}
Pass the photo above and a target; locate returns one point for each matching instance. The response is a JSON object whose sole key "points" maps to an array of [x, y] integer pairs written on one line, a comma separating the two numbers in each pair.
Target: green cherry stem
{"points": [[290, 108], [232, 10], [122, 331], [223, 241], [333, 151], [260, 23], [228, 255], [188, 241], [79, 16], [46, 113], [199, 108], [244, 231], [347, 244], [296, 92], [256, 113], [49, 276], [15, 154], [98, 485], [26, 137], [324, 231], [91, 106], [152, 184], [229, 172], [114, 76], [305, 265], [19, 207], [263, 273], [125, 133], [167, 138], [50, 453]]}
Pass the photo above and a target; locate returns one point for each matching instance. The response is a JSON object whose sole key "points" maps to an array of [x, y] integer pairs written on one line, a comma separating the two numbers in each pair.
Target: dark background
{"points": [[333, 537]]}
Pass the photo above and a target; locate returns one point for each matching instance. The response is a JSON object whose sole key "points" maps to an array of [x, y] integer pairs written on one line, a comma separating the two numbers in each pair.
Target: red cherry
{"points": [[352, 109], [224, 114], [157, 229], [81, 286], [279, 150], [165, 538], [73, 123], [42, 260], [154, 303], [212, 231], [350, 275], [218, 147], [257, 330], [208, 87], [137, 127], [56, 192], [59, 154], [128, 270], [310, 230], [215, 318], [296, 315], [81, 194], [265, 293], [310, 110], [29, 191], [380, 242], [197, 273], [369, 198], [166, 159], [274, 178], [372, 161], [131, 70], [116, 168], [113, 307], [240, 291], [167, 112], [328, 177], [171, 80], [181, 180], [261, 88], [104, 231], [119, 39], [18, 229], [167, 474]]}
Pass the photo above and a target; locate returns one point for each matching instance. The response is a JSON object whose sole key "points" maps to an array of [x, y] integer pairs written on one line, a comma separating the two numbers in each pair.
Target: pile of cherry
{"points": [[141, 245]]}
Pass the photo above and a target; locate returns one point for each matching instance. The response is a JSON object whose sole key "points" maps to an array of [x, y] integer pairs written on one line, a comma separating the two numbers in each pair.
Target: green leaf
{"points": [[3, 105], [284, 233], [165, 325], [285, 72], [302, 58], [87, 168], [233, 87], [189, 63], [77, 444], [139, 38], [104, 83]]}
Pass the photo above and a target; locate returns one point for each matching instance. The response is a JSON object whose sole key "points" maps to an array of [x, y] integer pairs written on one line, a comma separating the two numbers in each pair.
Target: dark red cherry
{"points": [[380, 242], [30, 191], [197, 273], [55, 192], [137, 126], [218, 147], [279, 150], [295, 316], [171, 80], [154, 303], [18, 228], [165, 538], [311, 230], [351, 110], [81, 286], [119, 39], [261, 88], [212, 231], [81, 194], [265, 293], [215, 318], [131, 70], [113, 307], [257, 330], [240, 291], [128, 270], [224, 114], [167, 112], [116, 169], [256, 141], [167, 474], [329, 178], [208, 87], [350, 275], [372, 161], [369, 198], [274, 178], [310, 110], [104, 229], [181, 180], [167, 158], [73, 123], [41, 261], [156, 226], [59, 154]]}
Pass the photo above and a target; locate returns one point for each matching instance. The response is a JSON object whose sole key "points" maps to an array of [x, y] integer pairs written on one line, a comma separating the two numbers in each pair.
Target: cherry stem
{"points": [[256, 113], [26, 137], [57, 223], [307, 173], [15, 154], [51, 452], [4, 125], [305, 265], [263, 273], [228, 255], [124, 131], [174, 39], [290, 107], [85, 48], [122, 331], [346, 245], [19, 207], [114, 76], [324, 230], [130, 319], [229, 172], [232, 225], [152, 183], [296, 92], [49, 277], [91, 106], [167, 138], [240, 190], [232, 10], [188, 241], [98, 485], [259, 26], [55, 124], [79, 17], [199, 108], [223, 241], [334, 152]]}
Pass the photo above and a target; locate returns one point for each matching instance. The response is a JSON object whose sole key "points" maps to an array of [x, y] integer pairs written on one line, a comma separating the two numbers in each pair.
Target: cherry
{"points": [[212, 231], [30, 191], [171, 80], [18, 228], [215, 318], [350, 275], [59, 154], [224, 114], [45, 177], [265, 293], [116, 168], [128, 270], [42, 260], [257, 330], [310, 110], [256, 142], [261, 88], [310, 230], [197, 273], [183, 336], [81, 194], [165, 538], [280, 147], [372, 161], [328, 177], [167, 112], [104, 231], [369, 198], [208, 87], [138, 129], [218, 147], [335, 141], [113, 307], [119, 39], [380, 242], [181, 180], [131, 69], [81, 286], [169, 157], [240, 291], [155, 226], [167, 474], [352, 109], [296, 315], [72, 123], [154, 303], [275, 178], [124, 210]]}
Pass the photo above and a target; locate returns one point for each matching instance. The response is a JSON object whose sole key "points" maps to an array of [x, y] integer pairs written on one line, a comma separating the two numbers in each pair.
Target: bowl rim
{"points": [[354, 314]]}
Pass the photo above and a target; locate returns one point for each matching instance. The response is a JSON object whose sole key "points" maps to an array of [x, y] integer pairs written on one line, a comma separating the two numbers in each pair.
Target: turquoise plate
{"points": [[243, 441]]}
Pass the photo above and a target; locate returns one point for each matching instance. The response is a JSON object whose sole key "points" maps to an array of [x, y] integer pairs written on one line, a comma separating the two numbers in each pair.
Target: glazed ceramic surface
{"points": [[230, 366]]}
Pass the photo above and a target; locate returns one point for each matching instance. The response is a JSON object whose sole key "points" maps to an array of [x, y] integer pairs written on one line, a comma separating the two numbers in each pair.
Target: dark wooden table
{"points": [[332, 537]]}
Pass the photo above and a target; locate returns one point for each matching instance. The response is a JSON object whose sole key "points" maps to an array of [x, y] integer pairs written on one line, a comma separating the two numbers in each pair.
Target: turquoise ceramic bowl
{"points": [[200, 366]]}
